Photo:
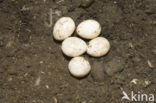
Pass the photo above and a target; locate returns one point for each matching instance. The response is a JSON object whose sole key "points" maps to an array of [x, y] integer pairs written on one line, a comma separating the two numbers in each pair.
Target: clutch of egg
{"points": [[75, 47]]}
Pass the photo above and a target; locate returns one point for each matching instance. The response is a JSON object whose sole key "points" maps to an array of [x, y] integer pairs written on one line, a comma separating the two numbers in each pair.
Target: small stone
{"points": [[41, 62], [47, 86], [147, 83], [134, 81], [150, 64], [86, 3], [115, 65], [10, 79], [84, 102], [10, 44], [58, 12]]}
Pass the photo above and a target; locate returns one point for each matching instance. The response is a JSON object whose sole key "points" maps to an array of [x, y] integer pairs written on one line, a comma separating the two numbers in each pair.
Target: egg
{"points": [[89, 29], [63, 28], [98, 47], [73, 47], [79, 67]]}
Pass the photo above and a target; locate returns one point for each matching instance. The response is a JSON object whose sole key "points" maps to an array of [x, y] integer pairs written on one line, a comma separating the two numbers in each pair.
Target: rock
{"points": [[115, 65], [97, 72], [86, 3]]}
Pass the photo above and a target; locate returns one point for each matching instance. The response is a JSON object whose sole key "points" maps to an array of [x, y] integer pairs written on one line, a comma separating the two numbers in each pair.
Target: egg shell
{"points": [[63, 28], [79, 67], [73, 47], [89, 29], [98, 47]]}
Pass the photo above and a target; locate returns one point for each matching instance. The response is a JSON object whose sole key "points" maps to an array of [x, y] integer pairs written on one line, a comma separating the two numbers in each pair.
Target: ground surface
{"points": [[34, 70]]}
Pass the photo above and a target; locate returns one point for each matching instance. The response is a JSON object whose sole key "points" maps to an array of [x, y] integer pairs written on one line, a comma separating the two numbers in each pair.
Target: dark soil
{"points": [[34, 70]]}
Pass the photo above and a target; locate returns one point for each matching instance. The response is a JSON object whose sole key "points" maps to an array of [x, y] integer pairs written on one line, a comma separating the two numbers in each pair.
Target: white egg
{"points": [[63, 28], [79, 67], [73, 47], [98, 47], [89, 29]]}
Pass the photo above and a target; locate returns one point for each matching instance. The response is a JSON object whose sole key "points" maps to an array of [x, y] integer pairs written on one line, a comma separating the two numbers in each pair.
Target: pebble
{"points": [[115, 65], [86, 3], [134, 81], [147, 83]]}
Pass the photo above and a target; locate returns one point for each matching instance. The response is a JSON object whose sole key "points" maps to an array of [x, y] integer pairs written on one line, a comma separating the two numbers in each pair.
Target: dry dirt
{"points": [[34, 70]]}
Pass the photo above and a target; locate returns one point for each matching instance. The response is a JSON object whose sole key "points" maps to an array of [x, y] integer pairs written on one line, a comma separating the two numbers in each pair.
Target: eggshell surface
{"points": [[79, 67], [63, 28], [98, 47], [89, 29], [73, 46]]}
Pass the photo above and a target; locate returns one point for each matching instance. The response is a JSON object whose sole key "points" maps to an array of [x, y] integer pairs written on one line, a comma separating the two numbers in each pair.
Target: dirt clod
{"points": [[115, 65], [97, 72]]}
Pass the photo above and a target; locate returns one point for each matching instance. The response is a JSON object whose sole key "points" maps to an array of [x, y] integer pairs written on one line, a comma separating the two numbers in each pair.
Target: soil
{"points": [[34, 70]]}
